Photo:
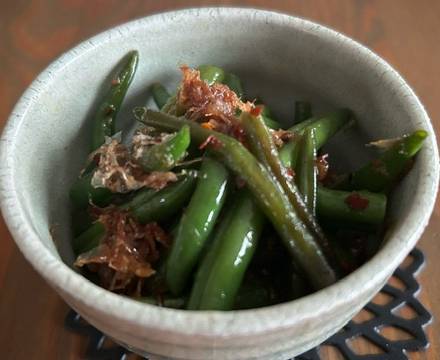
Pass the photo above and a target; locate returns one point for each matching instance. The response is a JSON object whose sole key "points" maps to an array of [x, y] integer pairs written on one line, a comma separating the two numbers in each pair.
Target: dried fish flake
{"points": [[118, 171]]}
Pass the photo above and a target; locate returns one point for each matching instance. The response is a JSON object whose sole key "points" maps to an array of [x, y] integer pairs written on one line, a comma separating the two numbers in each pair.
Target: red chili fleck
{"points": [[238, 133], [356, 202], [290, 172], [283, 135], [322, 166], [96, 159], [110, 109], [116, 82], [257, 110], [240, 182], [212, 141]]}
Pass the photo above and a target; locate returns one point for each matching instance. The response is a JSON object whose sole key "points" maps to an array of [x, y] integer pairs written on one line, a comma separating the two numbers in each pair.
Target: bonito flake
{"points": [[119, 172]]}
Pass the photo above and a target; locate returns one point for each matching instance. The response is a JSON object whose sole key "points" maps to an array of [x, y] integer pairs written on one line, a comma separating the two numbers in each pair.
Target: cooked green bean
{"points": [[382, 173], [267, 191], [289, 153], [325, 127], [166, 202], [262, 145], [140, 197], [222, 269], [234, 83], [208, 257], [361, 207], [373, 244], [271, 123], [211, 74], [253, 294], [298, 285], [195, 244], [267, 116], [145, 207], [81, 221], [160, 94], [104, 121], [171, 106], [164, 156], [266, 111], [303, 111], [306, 171], [196, 223], [82, 193], [89, 239]]}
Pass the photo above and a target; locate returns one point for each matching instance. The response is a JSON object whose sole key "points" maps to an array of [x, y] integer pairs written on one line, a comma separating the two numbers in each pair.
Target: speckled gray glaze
{"points": [[45, 142]]}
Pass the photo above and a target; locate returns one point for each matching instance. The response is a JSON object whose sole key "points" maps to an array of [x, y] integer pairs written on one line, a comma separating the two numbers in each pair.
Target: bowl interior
{"points": [[279, 62]]}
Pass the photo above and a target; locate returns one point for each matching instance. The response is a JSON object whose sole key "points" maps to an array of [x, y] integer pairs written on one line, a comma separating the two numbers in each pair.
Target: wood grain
{"points": [[33, 33]]}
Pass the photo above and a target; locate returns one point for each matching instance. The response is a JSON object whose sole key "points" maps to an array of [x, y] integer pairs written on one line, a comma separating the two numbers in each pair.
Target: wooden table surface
{"points": [[32, 33]]}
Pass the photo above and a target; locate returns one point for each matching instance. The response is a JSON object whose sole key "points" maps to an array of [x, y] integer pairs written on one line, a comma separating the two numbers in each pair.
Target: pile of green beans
{"points": [[252, 223]]}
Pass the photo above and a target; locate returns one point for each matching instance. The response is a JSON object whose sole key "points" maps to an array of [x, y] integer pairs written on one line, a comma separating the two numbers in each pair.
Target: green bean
{"points": [[160, 94], [374, 240], [81, 221], [222, 270], [325, 127], [337, 205], [164, 156], [268, 118], [89, 168], [145, 207], [329, 125], [171, 106], [253, 294], [289, 153], [166, 202], [267, 191], [140, 197], [234, 83], [262, 145], [382, 173], [104, 121], [208, 256], [271, 123], [306, 171], [298, 285], [303, 111], [89, 239], [266, 109], [82, 193], [194, 163], [301, 126], [211, 74], [196, 223]]}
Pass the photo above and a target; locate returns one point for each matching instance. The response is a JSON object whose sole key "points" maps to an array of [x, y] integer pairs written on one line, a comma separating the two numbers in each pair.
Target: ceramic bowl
{"points": [[280, 58]]}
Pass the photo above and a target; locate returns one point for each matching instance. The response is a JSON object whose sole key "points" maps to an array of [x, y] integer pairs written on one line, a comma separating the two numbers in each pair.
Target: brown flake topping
{"points": [[127, 252], [213, 104], [118, 171]]}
